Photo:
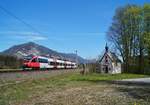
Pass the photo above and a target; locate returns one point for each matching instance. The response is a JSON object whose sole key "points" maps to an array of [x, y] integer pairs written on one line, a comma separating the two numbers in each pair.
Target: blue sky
{"points": [[64, 25]]}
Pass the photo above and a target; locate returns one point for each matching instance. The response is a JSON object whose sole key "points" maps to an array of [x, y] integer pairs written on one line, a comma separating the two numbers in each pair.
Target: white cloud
{"points": [[90, 33], [32, 36], [29, 36]]}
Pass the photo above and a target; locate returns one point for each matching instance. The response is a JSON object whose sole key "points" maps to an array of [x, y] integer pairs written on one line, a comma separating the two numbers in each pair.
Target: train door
{"points": [[65, 64], [55, 63], [51, 63]]}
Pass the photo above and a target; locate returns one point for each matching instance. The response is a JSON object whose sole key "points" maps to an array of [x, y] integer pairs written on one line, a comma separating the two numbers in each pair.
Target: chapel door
{"points": [[106, 69]]}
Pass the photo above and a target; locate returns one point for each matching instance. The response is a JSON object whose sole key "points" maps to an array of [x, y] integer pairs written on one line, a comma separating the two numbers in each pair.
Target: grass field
{"points": [[75, 89]]}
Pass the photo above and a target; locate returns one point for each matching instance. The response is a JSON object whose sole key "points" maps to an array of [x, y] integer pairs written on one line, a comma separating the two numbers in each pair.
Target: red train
{"points": [[39, 62]]}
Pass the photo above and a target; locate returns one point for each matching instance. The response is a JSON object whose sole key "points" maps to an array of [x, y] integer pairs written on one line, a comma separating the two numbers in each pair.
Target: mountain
{"points": [[31, 49]]}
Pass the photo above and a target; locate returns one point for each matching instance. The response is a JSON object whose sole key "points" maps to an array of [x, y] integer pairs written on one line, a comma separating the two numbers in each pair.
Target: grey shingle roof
{"points": [[112, 56]]}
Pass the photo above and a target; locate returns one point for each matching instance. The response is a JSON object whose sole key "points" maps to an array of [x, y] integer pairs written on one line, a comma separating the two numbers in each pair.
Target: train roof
{"points": [[43, 57]]}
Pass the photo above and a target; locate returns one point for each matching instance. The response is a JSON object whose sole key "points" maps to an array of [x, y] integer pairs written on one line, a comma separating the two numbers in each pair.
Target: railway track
{"points": [[30, 70], [10, 70], [32, 74]]}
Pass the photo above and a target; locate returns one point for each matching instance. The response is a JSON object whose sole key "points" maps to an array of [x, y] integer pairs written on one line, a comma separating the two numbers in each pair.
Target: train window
{"points": [[58, 63], [42, 60], [52, 63]]}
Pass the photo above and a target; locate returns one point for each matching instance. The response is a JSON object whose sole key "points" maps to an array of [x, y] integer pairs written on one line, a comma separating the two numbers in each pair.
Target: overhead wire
{"points": [[19, 19]]}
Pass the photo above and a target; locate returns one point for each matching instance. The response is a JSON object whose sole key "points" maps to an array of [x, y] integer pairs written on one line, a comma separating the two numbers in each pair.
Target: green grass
{"points": [[105, 77], [5, 70], [15, 93]]}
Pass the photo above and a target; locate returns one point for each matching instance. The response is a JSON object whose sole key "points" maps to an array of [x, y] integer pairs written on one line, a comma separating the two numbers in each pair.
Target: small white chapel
{"points": [[109, 62]]}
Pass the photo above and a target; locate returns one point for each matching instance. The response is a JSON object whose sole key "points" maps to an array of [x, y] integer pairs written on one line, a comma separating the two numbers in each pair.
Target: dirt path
{"points": [[135, 81]]}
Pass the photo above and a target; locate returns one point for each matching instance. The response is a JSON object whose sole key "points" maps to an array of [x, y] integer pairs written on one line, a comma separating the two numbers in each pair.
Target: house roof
{"points": [[115, 57], [112, 56]]}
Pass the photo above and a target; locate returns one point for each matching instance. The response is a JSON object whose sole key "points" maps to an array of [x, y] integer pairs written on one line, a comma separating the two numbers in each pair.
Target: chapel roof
{"points": [[110, 54]]}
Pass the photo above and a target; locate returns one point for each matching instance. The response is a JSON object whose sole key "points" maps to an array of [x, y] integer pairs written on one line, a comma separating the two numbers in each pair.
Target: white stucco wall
{"points": [[116, 68]]}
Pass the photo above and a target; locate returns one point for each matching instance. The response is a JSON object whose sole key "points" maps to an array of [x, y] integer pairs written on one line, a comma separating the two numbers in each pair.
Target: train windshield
{"points": [[34, 60]]}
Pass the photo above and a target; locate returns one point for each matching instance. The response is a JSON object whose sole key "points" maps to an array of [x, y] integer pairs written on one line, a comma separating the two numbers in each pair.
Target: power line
{"points": [[19, 19]]}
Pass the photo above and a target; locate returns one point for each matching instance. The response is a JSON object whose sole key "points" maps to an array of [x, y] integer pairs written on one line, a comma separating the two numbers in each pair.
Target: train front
{"points": [[26, 62]]}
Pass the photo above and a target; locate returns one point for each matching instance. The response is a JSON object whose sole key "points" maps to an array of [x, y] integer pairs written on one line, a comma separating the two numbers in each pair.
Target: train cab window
{"points": [[34, 60]]}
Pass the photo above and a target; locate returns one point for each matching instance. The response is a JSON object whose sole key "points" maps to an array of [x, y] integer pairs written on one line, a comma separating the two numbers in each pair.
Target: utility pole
{"points": [[76, 52]]}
